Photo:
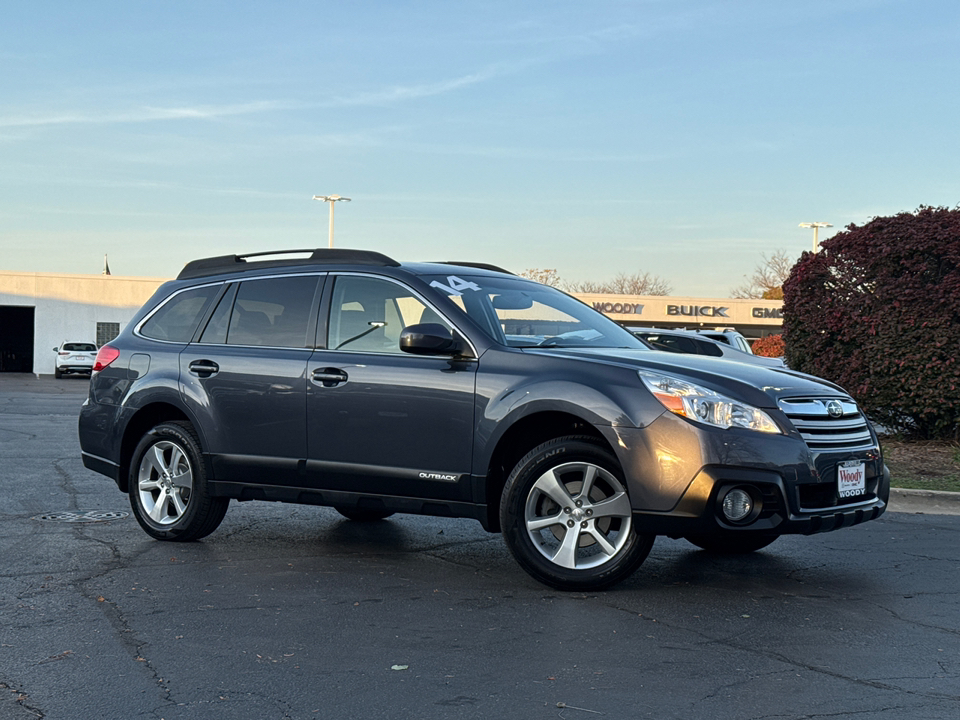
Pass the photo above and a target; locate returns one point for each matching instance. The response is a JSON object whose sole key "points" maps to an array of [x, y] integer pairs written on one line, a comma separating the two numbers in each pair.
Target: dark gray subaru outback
{"points": [[346, 379]]}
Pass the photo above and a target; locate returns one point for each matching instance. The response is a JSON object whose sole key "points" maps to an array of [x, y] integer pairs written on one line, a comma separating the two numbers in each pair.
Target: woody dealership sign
{"points": [[655, 309]]}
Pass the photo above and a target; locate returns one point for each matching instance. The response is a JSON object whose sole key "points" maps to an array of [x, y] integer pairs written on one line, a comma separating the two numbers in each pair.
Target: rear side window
{"points": [[673, 343], [708, 348], [177, 319], [274, 312]]}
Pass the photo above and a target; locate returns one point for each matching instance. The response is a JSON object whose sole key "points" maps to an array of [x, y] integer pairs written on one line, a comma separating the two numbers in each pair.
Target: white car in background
{"points": [[726, 335], [74, 357], [694, 343]]}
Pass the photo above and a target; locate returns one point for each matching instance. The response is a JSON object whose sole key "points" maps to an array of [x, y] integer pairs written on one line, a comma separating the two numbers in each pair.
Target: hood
{"points": [[757, 385]]}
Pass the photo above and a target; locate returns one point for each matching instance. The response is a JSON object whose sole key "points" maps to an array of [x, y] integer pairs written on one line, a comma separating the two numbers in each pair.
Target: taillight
{"points": [[106, 356], [63, 354]]}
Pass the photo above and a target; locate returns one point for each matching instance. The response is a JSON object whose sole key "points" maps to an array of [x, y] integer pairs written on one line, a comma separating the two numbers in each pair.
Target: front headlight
{"points": [[703, 405]]}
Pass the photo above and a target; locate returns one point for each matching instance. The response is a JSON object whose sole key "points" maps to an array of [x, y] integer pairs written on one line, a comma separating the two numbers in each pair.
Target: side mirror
{"points": [[428, 339]]}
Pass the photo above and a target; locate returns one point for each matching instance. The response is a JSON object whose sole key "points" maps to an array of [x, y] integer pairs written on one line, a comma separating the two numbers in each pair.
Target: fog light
{"points": [[737, 505]]}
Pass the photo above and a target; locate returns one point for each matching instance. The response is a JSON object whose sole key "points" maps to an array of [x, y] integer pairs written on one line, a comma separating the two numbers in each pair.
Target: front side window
{"points": [[520, 313], [177, 319], [368, 314], [273, 312]]}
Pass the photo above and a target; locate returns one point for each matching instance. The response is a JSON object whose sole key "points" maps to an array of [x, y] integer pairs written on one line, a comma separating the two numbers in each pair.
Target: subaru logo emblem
{"points": [[834, 409]]}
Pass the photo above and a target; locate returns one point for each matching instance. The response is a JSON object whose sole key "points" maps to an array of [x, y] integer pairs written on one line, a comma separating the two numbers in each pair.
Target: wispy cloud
{"points": [[142, 114], [384, 96], [412, 92]]}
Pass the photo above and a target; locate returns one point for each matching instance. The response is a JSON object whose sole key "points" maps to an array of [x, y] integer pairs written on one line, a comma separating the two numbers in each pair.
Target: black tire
{"points": [[729, 542], [168, 485], [363, 514], [57, 374], [544, 501]]}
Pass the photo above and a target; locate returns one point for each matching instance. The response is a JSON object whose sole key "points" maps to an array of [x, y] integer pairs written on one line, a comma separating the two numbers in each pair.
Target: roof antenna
{"points": [[106, 265]]}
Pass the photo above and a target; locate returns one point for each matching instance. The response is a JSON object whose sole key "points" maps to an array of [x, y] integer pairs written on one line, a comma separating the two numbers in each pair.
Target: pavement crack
{"points": [[66, 484], [730, 642], [915, 623], [21, 699], [134, 646], [123, 628]]}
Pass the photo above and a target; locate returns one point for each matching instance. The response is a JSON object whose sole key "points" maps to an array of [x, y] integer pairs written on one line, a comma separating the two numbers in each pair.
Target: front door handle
{"points": [[204, 368], [329, 377]]}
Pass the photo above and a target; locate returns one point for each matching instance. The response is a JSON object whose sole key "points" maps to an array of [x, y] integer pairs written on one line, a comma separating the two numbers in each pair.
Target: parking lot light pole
{"points": [[815, 225], [331, 199]]}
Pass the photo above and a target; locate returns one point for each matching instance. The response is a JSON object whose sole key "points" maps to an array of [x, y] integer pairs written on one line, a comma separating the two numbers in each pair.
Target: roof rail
{"points": [[479, 266], [320, 256]]}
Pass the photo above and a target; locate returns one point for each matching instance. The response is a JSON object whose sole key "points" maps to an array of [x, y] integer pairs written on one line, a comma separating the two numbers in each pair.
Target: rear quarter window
{"points": [[177, 319]]}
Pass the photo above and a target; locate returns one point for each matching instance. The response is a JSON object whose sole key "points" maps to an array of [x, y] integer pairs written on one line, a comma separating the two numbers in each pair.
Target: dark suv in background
{"points": [[350, 380]]}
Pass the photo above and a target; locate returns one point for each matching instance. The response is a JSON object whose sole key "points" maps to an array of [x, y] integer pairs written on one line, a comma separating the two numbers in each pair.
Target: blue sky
{"points": [[674, 137]]}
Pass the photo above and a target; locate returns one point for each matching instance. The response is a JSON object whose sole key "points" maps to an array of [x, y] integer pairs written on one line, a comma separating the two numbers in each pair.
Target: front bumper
{"points": [[699, 511], [678, 473]]}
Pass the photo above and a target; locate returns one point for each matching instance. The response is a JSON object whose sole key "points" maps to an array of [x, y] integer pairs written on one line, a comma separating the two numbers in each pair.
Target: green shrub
{"points": [[878, 312]]}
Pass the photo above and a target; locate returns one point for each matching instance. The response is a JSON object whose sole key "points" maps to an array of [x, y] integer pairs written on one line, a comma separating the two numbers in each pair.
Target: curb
{"points": [[928, 502]]}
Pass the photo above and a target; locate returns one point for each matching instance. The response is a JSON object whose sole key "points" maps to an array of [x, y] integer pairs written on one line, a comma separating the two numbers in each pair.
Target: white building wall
{"points": [[68, 307]]}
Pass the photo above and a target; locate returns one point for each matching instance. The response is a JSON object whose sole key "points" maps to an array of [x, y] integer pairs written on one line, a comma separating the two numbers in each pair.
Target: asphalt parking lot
{"points": [[294, 612]]}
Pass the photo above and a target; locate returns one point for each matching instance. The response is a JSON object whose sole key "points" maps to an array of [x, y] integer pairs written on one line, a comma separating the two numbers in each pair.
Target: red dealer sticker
{"points": [[851, 479]]}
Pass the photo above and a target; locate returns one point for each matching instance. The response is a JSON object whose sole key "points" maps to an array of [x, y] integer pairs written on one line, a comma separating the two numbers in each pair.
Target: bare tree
{"points": [[767, 279], [623, 284], [547, 276]]}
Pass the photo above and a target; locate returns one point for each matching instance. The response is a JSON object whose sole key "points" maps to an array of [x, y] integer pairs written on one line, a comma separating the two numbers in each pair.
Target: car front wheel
{"points": [[168, 485], [567, 518]]}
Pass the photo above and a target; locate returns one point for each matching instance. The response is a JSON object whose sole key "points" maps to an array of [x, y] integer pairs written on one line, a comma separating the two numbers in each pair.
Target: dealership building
{"points": [[38, 311]]}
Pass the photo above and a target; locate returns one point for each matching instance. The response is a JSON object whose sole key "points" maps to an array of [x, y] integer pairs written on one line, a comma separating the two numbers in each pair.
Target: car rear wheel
{"points": [[168, 485], [731, 543], [567, 519]]}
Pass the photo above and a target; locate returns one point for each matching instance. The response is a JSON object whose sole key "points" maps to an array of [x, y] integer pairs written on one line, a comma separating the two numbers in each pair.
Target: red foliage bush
{"points": [[878, 312], [769, 346]]}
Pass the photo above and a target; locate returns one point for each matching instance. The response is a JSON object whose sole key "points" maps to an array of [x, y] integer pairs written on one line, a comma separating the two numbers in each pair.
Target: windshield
{"points": [[521, 313]]}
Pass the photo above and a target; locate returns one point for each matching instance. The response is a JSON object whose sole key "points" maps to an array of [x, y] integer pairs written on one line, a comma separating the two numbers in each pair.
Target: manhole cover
{"points": [[81, 517]]}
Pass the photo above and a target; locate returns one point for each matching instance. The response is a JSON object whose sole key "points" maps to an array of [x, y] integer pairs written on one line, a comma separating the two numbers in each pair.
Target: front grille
{"points": [[816, 497], [828, 424]]}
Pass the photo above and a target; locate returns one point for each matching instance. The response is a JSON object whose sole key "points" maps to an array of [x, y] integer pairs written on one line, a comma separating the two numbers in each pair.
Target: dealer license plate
{"points": [[851, 479]]}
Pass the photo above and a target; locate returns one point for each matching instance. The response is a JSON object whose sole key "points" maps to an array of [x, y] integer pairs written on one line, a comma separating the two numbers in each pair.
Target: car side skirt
{"points": [[335, 498]]}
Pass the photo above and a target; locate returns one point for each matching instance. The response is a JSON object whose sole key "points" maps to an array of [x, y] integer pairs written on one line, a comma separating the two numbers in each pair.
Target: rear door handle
{"points": [[329, 377], [204, 368]]}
